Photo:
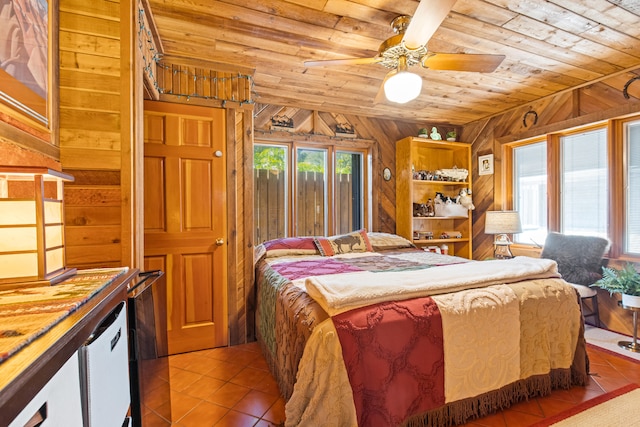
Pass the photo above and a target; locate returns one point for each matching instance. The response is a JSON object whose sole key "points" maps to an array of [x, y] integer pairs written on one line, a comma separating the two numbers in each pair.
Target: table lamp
{"points": [[32, 248], [502, 223]]}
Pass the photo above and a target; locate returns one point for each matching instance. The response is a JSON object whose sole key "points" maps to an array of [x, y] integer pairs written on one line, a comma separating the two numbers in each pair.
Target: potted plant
{"points": [[451, 135], [424, 133], [625, 282]]}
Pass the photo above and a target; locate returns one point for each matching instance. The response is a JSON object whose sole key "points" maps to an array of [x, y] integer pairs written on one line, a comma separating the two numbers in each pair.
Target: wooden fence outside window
{"points": [[270, 210]]}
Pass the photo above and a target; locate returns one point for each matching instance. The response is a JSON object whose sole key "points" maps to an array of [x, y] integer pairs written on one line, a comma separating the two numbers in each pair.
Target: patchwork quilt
{"points": [[403, 336]]}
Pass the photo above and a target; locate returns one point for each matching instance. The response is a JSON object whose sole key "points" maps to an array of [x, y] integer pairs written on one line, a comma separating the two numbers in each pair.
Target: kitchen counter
{"points": [[41, 327]]}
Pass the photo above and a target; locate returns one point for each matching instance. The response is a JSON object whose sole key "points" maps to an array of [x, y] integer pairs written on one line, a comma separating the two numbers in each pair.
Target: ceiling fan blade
{"points": [[349, 61], [462, 62], [426, 20]]}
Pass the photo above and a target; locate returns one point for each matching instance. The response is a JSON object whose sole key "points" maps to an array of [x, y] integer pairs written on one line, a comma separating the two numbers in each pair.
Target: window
{"points": [[530, 191], [632, 212], [561, 183], [327, 192], [349, 191], [591, 178], [270, 191], [584, 183], [311, 192]]}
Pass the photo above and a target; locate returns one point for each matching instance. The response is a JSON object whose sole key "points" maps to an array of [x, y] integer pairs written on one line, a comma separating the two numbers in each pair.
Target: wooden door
{"points": [[185, 219]]}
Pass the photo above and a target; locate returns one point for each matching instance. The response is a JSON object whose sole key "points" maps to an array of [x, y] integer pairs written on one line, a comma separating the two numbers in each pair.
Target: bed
{"points": [[365, 329]]}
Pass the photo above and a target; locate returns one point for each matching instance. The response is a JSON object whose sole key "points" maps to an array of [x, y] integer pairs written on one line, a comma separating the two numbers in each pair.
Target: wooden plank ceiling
{"points": [[550, 46]]}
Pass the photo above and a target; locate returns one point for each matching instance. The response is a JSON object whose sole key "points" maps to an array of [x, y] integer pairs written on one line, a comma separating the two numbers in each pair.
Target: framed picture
{"points": [[485, 164], [28, 48]]}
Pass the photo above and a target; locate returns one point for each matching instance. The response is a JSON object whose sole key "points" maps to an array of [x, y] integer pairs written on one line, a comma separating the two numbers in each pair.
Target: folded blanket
{"points": [[341, 292]]}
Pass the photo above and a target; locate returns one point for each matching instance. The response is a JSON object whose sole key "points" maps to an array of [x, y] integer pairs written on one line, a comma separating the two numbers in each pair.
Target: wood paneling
{"points": [[582, 43], [550, 46], [92, 125], [240, 225]]}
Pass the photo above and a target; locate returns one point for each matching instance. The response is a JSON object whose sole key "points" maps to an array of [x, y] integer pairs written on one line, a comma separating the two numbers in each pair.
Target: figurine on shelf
{"points": [[442, 199], [431, 209], [465, 198], [435, 135], [419, 210]]}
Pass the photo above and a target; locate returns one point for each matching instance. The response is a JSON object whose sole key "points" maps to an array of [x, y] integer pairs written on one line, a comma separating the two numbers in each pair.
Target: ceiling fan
{"points": [[409, 47]]}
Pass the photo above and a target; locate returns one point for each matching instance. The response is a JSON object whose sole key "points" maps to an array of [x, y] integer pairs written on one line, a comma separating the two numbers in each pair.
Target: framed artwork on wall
{"points": [[28, 79], [485, 164]]}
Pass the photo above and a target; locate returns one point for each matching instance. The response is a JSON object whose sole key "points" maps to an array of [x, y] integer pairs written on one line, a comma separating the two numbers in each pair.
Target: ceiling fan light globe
{"points": [[402, 86]]}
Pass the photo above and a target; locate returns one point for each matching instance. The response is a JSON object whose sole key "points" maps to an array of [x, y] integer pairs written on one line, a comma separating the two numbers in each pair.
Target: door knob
{"points": [[219, 241]]}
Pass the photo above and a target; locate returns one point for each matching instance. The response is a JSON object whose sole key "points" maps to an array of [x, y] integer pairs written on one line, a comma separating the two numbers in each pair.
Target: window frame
{"points": [[363, 191], [620, 183], [508, 150], [363, 147], [617, 175], [288, 184]]}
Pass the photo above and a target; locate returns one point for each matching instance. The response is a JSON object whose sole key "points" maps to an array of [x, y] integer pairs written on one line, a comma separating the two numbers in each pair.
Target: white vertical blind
{"points": [[632, 228], [584, 183], [530, 192]]}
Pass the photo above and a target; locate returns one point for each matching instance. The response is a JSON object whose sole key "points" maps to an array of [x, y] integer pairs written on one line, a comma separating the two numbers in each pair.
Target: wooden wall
{"points": [[240, 225], [97, 133], [590, 104], [320, 126], [99, 137]]}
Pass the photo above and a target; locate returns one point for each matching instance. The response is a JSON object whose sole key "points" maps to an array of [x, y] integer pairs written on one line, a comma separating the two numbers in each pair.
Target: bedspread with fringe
{"points": [[545, 349], [491, 360]]}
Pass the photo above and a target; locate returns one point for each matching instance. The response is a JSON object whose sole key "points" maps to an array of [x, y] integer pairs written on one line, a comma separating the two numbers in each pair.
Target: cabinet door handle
{"points": [[116, 338], [39, 417]]}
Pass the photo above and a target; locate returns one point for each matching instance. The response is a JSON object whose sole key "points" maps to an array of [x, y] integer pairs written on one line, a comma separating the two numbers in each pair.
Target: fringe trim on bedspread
{"points": [[270, 282], [580, 365], [286, 317], [297, 314], [462, 411]]}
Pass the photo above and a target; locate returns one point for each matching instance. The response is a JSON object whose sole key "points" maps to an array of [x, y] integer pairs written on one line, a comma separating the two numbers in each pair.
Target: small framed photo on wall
{"points": [[485, 164]]}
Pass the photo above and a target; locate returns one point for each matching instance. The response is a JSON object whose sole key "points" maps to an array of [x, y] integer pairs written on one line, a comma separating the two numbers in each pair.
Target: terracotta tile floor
{"points": [[233, 387]]}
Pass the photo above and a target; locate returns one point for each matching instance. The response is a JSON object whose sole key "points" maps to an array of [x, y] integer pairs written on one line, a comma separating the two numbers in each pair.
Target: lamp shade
{"points": [[502, 222], [31, 226], [402, 86]]}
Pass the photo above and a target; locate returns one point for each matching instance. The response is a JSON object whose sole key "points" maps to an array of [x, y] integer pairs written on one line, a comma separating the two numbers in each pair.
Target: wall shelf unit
{"points": [[421, 154]]}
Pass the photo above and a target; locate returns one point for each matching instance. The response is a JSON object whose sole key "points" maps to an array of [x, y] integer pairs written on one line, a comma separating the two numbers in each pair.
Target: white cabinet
{"points": [[58, 403], [105, 368]]}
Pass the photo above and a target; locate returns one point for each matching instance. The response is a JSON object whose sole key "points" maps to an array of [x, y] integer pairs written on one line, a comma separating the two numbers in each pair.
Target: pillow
{"points": [[357, 241], [290, 246], [579, 258], [386, 241]]}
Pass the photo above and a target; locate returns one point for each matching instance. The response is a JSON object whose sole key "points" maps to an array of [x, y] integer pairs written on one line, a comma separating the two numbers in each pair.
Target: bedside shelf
{"points": [[441, 183], [432, 218], [417, 154], [423, 242]]}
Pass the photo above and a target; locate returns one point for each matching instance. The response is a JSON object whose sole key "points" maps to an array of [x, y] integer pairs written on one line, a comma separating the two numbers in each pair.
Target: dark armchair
{"points": [[580, 260]]}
